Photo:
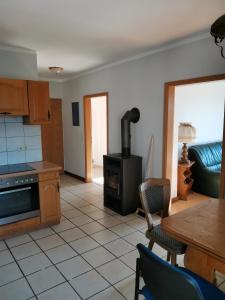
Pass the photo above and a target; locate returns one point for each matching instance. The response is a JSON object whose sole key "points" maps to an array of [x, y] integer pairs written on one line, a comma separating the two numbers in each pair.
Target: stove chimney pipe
{"points": [[133, 116]]}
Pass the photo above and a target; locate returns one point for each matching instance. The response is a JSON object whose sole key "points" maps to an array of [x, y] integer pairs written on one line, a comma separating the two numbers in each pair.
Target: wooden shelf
{"points": [[184, 180]]}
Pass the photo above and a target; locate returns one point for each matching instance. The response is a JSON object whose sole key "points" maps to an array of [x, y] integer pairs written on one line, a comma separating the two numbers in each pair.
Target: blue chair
{"points": [[164, 281]]}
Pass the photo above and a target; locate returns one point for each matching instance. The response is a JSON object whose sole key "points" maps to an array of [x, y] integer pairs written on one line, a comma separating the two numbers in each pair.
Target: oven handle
{"points": [[14, 191]]}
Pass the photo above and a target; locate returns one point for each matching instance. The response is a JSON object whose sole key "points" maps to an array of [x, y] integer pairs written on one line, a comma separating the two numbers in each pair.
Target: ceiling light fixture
{"points": [[218, 32], [56, 70]]}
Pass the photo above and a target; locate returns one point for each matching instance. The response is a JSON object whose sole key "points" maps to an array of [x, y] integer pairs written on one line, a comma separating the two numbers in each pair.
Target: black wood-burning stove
{"points": [[123, 172]]}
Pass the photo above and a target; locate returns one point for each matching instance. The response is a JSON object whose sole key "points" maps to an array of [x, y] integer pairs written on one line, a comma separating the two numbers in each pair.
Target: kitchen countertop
{"points": [[39, 167]]}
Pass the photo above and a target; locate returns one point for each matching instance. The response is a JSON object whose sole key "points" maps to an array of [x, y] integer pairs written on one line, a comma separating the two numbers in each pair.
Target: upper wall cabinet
{"points": [[39, 103], [13, 97]]}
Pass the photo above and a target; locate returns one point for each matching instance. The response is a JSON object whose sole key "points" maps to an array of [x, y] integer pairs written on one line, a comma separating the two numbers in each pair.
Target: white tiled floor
{"points": [[91, 254]]}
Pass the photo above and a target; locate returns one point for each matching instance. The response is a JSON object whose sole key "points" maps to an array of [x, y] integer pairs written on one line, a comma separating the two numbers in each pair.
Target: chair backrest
{"points": [[165, 281], [155, 197]]}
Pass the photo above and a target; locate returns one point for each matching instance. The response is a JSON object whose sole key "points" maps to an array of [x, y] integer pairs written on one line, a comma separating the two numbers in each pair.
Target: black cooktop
{"points": [[15, 168]]}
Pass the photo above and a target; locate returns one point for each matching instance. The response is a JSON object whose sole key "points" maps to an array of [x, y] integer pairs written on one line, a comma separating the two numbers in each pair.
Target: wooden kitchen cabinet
{"points": [[49, 201], [13, 97], [39, 103]]}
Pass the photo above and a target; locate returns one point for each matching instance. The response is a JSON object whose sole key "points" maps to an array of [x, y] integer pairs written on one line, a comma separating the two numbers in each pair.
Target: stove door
{"points": [[18, 203]]}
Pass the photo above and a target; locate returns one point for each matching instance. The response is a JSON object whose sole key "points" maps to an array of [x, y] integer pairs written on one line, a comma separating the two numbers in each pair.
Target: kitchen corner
{"points": [[29, 187], [29, 197]]}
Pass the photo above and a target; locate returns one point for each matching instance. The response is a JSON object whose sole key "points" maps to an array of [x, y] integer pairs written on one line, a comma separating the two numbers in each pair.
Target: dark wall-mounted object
{"points": [[133, 116], [75, 114], [218, 32]]}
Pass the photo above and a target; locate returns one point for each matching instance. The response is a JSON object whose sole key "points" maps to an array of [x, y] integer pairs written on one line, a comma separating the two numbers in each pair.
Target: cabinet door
{"points": [[39, 103], [49, 201], [13, 97]]}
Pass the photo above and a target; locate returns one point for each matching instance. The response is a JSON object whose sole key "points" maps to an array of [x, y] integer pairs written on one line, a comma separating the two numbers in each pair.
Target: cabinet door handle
{"points": [[49, 115], [58, 187]]}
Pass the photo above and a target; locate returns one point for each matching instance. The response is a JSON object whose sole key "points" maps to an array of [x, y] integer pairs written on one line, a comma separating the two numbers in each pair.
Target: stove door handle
{"points": [[15, 191]]}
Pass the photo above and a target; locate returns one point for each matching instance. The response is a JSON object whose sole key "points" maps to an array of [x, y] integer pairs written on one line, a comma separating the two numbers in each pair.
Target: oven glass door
{"points": [[18, 203]]}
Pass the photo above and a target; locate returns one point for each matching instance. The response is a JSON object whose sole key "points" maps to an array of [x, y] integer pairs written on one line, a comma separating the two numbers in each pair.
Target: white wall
{"points": [[99, 129], [55, 89], [137, 83], [202, 105], [15, 63]]}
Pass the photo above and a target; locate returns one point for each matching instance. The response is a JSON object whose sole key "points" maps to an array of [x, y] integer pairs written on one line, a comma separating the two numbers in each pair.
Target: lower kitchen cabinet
{"points": [[49, 201]]}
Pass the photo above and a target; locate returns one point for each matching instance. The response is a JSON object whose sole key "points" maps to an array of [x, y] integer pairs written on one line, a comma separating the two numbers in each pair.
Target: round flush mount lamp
{"points": [[218, 32], [56, 70]]}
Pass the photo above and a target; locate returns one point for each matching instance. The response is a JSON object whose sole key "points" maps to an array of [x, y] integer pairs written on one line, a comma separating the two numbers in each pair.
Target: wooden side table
{"points": [[184, 180]]}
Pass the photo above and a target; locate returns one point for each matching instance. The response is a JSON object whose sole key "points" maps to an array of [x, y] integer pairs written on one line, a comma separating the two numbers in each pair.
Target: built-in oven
{"points": [[19, 198]]}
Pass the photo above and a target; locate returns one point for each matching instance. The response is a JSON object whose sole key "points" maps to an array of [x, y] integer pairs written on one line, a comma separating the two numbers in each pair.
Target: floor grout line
{"points": [[96, 191]]}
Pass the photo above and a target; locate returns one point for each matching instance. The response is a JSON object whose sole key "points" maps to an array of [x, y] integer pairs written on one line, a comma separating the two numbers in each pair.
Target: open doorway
{"points": [[96, 135], [200, 102]]}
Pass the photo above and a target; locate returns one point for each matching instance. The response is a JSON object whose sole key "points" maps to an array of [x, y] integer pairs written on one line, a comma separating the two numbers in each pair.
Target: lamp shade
{"points": [[186, 133]]}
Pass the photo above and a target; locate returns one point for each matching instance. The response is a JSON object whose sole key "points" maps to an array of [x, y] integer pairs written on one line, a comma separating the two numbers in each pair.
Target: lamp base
{"points": [[184, 155]]}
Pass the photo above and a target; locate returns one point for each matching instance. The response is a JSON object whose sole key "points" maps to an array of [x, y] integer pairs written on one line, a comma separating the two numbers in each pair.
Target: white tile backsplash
{"points": [[14, 129], [3, 158], [32, 130], [33, 142], [15, 157], [14, 119], [2, 144], [2, 129], [33, 155], [19, 143], [16, 143]]}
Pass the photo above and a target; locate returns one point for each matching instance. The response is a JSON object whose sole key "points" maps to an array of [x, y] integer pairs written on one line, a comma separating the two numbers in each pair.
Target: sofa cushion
{"points": [[207, 155]]}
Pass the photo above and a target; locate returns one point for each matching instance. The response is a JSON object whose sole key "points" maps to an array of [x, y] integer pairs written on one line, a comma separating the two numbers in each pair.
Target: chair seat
{"points": [[209, 291], [158, 235]]}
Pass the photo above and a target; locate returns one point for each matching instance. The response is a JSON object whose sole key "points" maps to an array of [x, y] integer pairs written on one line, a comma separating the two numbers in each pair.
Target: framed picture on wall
{"points": [[75, 114]]}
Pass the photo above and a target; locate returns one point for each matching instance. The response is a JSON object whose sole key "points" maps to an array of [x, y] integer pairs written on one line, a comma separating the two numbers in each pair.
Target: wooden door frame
{"points": [[169, 103], [88, 131]]}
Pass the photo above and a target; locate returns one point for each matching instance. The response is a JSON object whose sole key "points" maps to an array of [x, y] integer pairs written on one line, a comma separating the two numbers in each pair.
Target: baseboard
{"points": [[175, 199], [75, 176]]}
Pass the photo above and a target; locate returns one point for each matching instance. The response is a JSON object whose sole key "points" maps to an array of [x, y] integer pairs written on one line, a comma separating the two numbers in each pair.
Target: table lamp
{"points": [[186, 134]]}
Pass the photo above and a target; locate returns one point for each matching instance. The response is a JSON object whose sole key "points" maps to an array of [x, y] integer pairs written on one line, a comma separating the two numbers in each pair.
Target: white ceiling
{"points": [[82, 34]]}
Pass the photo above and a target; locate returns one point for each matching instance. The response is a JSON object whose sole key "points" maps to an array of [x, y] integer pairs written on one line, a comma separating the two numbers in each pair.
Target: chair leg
{"points": [[168, 256], [137, 279], [173, 259], [151, 244]]}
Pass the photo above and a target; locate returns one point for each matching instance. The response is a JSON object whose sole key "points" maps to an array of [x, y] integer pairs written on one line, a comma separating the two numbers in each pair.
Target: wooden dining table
{"points": [[202, 229]]}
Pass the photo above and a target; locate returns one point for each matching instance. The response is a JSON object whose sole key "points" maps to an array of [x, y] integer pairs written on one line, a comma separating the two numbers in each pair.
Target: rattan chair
{"points": [[155, 198]]}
